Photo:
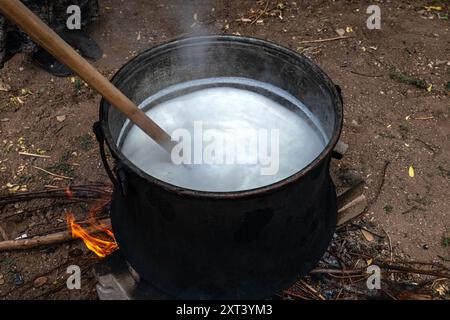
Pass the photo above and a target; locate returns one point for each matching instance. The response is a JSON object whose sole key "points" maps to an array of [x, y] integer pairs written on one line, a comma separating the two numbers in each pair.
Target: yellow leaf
{"points": [[435, 8], [429, 88], [349, 29], [411, 172], [441, 290], [369, 262], [14, 189]]}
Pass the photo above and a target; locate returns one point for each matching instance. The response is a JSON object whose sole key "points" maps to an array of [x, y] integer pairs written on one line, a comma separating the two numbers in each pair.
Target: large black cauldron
{"points": [[247, 244]]}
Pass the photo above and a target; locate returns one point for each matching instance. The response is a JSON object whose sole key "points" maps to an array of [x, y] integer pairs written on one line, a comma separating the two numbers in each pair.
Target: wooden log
{"points": [[351, 204], [49, 239]]}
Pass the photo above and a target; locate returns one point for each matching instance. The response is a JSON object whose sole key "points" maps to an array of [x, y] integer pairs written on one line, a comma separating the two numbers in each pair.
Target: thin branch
{"points": [[261, 13], [53, 174], [33, 155], [324, 40]]}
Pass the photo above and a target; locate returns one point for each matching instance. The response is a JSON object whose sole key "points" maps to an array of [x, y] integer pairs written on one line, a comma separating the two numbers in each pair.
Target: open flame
{"points": [[102, 244], [97, 236]]}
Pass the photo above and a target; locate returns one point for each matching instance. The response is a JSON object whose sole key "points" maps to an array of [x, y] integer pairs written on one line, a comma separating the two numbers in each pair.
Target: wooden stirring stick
{"points": [[17, 12]]}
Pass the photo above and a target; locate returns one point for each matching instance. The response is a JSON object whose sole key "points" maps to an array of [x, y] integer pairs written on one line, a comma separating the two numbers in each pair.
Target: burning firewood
{"points": [[102, 245], [49, 239]]}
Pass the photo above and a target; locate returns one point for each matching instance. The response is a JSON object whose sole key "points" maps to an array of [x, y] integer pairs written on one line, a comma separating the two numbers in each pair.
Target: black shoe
{"points": [[80, 40], [47, 62]]}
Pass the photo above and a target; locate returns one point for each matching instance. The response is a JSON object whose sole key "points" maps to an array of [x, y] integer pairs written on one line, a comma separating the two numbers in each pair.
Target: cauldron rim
{"points": [[210, 40]]}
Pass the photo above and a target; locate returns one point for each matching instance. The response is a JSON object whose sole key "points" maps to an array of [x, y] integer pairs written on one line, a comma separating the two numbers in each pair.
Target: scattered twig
{"points": [[423, 118], [392, 268], [261, 13], [380, 186], [413, 208], [324, 40], [338, 271], [314, 291], [366, 75], [390, 244], [422, 263], [76, 192], [53, 174], [427, 146], [33, 155], [295, 294]]}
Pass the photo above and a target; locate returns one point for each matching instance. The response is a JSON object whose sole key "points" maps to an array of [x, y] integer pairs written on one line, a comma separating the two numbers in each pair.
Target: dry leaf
{"points": [[367, 235]]}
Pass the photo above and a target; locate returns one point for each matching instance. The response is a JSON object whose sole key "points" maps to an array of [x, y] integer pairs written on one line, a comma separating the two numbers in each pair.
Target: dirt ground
{"points": [[392, 122]]}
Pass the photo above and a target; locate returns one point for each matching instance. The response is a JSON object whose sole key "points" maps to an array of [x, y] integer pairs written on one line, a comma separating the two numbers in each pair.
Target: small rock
{"points": [[440, 62], [340, 32], [61, 118], [39, 282], [355, 123], [425, 247], [18, 279]]}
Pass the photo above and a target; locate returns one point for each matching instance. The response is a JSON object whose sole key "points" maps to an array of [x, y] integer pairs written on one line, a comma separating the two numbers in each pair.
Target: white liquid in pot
{"points": [[223, 112]]}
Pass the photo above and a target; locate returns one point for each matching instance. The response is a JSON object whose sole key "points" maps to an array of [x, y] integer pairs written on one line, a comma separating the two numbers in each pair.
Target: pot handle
{"points": [[119, 182], [339, 91], [335, 154]]}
